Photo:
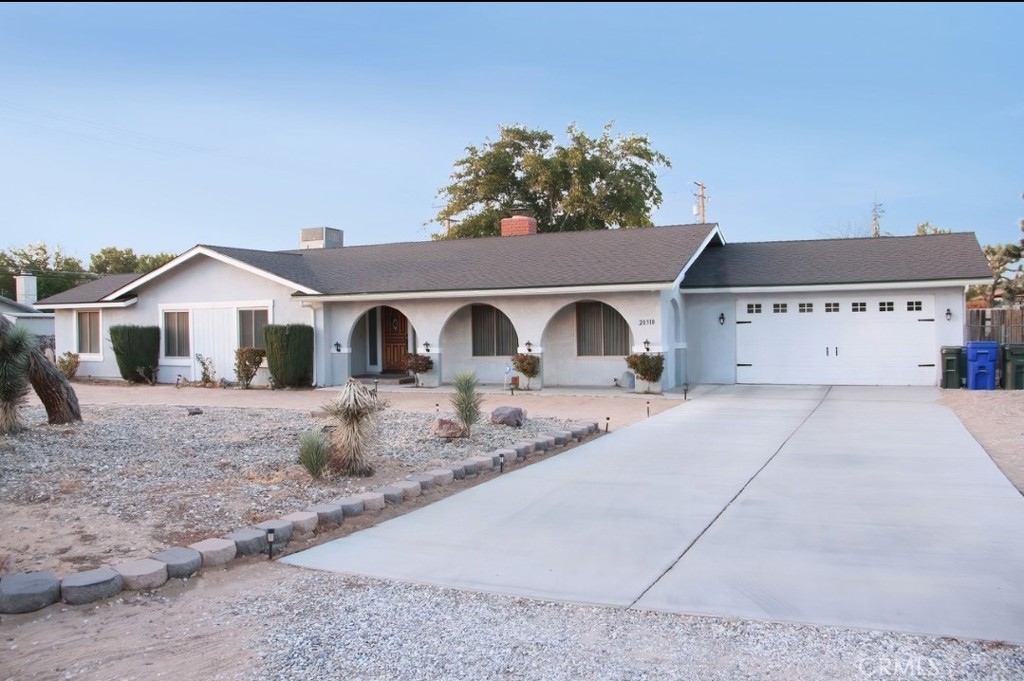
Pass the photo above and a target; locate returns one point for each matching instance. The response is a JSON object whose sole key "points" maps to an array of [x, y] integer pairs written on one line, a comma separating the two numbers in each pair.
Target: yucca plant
{"points": [[314, 452], [16, 345], [466, 401], [356, 409]]}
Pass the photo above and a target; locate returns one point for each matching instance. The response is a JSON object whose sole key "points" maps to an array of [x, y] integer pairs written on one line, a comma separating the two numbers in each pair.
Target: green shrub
{"points": [[419, 364], [314, 452], [466, 401], [16, 345], [247, 363], [290, 354], [647, 367], [68, 364], [137, 350], [527, 364]]}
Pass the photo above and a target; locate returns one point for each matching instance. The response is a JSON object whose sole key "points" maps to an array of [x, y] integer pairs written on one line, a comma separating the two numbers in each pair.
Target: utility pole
{"points": [[700, 208], [876, 213]]}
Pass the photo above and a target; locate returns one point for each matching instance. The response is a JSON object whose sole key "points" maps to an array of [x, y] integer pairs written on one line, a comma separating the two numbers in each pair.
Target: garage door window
{"points": [[753, 308], [831, 307], [859, 307], [913, 306], [806, 307], [779, 308], [885, 306]]}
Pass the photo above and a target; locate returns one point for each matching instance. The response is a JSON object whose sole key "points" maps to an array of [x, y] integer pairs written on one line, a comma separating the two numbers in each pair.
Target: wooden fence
{"points": [[1002, 326]]}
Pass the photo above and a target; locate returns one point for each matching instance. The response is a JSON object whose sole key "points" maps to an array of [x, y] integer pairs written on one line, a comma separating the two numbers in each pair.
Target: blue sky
{"points": [[159, 127]]}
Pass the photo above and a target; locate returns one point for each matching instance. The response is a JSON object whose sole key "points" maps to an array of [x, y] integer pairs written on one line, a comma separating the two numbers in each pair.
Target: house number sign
{"points": [[646, 322]]}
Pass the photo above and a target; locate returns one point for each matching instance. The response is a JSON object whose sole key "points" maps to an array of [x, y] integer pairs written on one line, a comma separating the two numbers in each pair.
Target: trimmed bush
{"points": [[419, 364], [290, 354], [314, 452], [527, 364], [247, 363], [68, 364], [466, 401], [137, 350], [647, 367]]}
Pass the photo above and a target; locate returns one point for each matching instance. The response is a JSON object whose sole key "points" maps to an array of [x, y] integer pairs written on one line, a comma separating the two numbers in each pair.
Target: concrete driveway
{"points": [[859, 507]]}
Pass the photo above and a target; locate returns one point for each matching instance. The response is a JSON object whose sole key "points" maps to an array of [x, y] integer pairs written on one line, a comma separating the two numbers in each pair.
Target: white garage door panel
{"points": [[845, 347]]}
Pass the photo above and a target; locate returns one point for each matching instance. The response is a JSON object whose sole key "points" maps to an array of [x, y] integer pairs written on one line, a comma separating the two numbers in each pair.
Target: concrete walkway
{"points": [[861, 507]]}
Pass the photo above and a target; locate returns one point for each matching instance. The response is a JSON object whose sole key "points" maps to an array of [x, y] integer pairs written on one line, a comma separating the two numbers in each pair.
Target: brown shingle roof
{"points": [[840, 261], [91, 291]]}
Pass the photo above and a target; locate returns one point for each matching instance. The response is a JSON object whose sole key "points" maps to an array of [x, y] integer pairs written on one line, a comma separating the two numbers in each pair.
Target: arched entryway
{"points": [[381, 340]]}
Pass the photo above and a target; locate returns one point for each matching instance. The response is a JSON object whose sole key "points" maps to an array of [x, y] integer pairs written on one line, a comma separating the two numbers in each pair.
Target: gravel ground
{"points": [[178, 478], [320, 626]]}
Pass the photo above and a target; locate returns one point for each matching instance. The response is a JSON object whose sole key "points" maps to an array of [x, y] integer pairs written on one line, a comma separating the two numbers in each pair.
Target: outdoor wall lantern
{"points": [[647, 346], [337, 346], [949, 315], [721, 319], [529, 346], [426, 346]]}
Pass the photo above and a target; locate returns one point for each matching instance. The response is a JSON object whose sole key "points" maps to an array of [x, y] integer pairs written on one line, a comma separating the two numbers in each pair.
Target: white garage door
{"points": [[849, 339]]}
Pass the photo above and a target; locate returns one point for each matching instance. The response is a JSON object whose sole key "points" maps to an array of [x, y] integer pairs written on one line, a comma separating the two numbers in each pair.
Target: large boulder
{"points": [[509, 416], [447, 428]]}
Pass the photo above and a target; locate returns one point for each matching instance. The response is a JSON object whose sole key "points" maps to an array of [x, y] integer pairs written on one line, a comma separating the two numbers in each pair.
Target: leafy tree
{"points": [[590, 183], [926, 228], [114, 260], [1006, 282], [56, 271]]}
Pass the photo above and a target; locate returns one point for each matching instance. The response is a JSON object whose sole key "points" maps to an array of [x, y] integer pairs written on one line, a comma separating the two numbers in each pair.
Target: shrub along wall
{"points": [[290, 354]]}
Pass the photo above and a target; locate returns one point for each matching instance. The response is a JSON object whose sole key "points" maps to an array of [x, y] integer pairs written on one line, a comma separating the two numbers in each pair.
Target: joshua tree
{"points": [[15, 356], [356, 409]]}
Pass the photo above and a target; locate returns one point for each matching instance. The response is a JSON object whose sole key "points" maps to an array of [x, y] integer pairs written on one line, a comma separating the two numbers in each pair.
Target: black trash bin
{"points": [[1013, 367], [952, 376]]}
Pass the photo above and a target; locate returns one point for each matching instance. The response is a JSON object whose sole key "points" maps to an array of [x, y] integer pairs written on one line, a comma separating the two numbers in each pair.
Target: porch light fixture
{"points": [[647, 346], [949, 315], [721, 319], [529, 346], [426, 346], [337, 347]]}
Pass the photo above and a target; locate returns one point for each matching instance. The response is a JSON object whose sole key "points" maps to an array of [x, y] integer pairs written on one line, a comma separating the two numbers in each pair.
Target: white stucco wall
{"points": [[206, 288]]}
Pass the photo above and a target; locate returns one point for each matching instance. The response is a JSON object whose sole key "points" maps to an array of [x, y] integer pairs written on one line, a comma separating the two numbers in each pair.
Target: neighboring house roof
{"points": [[15, 305], [840, 261], [91, 291], [594, 258]]}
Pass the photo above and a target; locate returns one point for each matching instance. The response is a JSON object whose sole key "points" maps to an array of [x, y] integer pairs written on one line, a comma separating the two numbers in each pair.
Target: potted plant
{"points": [[648, 368], [419, 364], [528, 365]]}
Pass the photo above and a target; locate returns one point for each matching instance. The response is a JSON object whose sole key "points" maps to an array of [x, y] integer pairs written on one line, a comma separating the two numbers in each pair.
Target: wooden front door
{"points": [[395, 335]]}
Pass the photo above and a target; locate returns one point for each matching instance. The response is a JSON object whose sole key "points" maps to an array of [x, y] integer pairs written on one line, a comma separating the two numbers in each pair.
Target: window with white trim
{"points": [[753, 308], [250, 327], [913, 306], [493, 333], [780, 308], [89, 333], [806, 307], [600, 331], [176, 334], [859, 307], [831, 307]]}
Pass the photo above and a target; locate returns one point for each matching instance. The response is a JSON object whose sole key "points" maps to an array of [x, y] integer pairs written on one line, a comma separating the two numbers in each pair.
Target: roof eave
{"points": [[839, 286]]}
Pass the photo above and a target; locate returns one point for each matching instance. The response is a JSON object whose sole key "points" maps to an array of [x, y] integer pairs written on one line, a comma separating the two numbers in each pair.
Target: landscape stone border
{"points": [[31, 591]]}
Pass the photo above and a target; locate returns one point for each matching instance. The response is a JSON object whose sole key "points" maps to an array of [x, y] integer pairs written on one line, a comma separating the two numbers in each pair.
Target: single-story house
{"points": [[21, 311], [846, 311]]}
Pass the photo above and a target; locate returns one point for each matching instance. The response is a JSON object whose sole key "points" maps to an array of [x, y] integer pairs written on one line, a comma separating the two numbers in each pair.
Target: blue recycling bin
{"points": [[982, 358]]}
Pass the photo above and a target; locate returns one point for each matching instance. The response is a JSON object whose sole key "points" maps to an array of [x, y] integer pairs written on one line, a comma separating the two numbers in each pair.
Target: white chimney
{"points": [[25, 289], [321, 237]]}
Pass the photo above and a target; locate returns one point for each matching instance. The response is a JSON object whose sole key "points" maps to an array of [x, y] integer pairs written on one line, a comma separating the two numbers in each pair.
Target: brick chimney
{"points": [[518, 225]]}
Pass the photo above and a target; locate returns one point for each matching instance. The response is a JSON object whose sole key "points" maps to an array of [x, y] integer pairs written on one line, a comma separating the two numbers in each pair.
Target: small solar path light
{"points": [[270, 543]]}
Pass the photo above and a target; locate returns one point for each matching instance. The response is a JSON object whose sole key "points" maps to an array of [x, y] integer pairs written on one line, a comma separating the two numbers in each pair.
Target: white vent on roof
{"points": [[321, 237]]}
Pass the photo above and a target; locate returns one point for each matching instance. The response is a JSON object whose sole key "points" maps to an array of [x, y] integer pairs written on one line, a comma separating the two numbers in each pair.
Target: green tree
{"points": [[56, 271], [114, 260], [590, 183]]}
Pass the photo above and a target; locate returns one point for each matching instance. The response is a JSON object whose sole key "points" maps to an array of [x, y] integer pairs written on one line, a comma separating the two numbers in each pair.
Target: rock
{"points": [[216, 552], [181, 562], [142, 574], [447, 428], [91, 585], [193, 411], [372, 501], [303, 523], [509, 416], [28, 592], [628, 380]]}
